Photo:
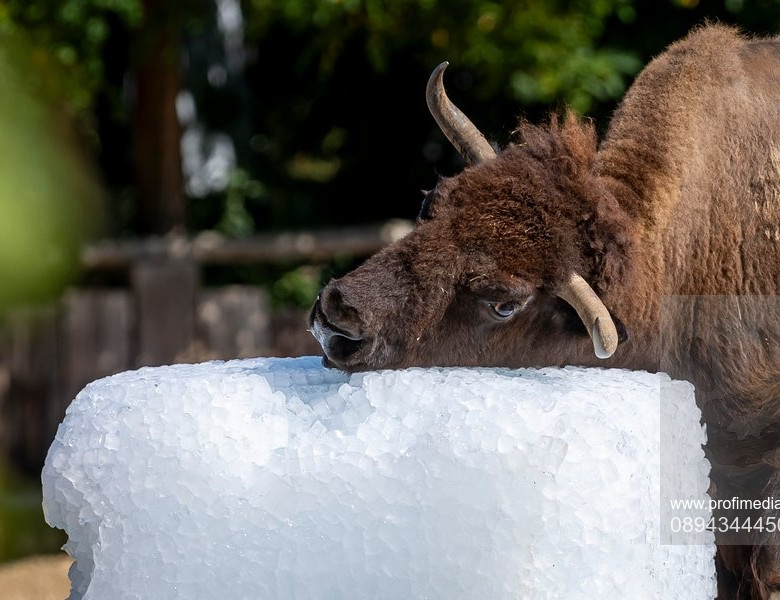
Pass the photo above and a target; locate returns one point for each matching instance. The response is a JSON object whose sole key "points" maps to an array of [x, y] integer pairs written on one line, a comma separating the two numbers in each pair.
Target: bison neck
{"points": [[693, 156]]}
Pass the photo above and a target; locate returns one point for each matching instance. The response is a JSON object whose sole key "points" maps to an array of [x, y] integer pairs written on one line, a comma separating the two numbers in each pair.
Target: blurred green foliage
{"points": [[547, 51], [71, 34], [23, 531], [236, 221], [297, 288], [49, 200], [355, 70]]}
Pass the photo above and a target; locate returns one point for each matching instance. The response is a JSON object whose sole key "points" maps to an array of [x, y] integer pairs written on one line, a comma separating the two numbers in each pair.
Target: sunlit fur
{"points": [[681, 199]]}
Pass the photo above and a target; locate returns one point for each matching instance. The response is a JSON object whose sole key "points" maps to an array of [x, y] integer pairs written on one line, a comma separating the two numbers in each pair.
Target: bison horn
{"points": [[593, 313], [463, 134]]}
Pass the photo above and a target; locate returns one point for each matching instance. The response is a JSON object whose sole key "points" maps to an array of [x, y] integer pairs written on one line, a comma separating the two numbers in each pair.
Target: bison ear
{"points": [[621, 328]]}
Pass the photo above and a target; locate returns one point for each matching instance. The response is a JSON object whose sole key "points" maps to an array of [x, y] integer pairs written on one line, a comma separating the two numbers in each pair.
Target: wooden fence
{"points": [[163, 315]]}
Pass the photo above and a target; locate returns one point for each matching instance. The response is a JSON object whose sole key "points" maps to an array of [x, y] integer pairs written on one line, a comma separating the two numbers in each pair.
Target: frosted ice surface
{"points": [[277, 478]]}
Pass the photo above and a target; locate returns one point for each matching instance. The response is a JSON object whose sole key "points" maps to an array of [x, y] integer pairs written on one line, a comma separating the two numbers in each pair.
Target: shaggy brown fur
{"points": [[674, 222]]}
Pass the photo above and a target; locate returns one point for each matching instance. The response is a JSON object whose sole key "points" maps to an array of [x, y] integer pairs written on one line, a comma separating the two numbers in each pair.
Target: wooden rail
{"points": [[211, 248]]}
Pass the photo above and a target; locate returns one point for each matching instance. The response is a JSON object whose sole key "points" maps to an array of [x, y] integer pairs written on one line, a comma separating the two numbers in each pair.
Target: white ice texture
{"points": [[280, 479]]}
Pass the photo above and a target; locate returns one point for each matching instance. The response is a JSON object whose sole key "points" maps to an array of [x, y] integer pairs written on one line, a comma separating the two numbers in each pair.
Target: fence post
{"points": [[96, 338], [165, 301]]}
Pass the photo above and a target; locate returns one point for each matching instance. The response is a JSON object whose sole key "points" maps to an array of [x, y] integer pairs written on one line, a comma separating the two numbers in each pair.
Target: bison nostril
{"points": [[331, 299], [333, 309], [341, 349], [322, 324], [341, 338]]}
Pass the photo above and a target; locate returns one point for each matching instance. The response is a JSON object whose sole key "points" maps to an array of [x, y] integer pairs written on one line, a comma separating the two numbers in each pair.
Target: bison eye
{"points": [[502, 310]]}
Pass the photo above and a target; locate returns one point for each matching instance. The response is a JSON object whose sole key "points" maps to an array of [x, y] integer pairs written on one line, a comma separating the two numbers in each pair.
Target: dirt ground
{"points": [[36, 578]]}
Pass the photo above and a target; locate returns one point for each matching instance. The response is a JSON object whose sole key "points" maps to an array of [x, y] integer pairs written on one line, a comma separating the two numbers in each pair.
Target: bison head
{"points": [[496, 271]]}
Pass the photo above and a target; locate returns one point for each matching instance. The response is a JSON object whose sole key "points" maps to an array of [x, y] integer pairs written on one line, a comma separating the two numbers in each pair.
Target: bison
{"points": [[657, 249]]}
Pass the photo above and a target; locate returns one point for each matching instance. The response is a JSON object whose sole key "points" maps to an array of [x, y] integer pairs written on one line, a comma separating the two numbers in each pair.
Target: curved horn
{"points": [[593, 313], [463, 134]]}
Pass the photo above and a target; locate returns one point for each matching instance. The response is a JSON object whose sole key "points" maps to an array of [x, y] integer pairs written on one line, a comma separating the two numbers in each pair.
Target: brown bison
{"points": [[659, 249]]}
